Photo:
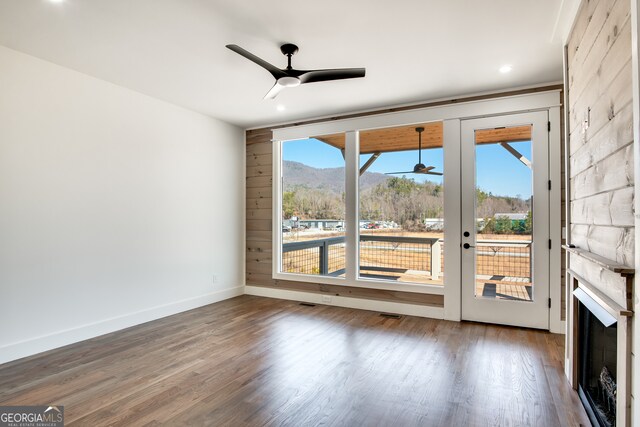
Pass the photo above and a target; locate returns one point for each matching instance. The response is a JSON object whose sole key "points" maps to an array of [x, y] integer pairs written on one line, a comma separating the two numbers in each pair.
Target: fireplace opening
{"points": [[597, 354]]}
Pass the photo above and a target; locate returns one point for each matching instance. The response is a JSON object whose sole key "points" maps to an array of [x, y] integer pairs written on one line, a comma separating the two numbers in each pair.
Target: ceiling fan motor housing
{"points": [[289, 49]]}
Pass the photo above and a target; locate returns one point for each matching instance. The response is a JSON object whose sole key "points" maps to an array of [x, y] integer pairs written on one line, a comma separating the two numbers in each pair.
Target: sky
{"points": [[497, 171]]}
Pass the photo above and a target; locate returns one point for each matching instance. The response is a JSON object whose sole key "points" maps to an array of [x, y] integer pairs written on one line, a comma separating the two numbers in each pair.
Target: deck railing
{"points": [[413, 258], [508, 258], [312, 256], [379, 255], [397, 254]]}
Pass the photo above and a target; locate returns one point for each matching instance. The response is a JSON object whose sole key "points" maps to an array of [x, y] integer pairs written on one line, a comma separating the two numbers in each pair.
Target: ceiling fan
{"points": [[419, 167], [290, 77]]}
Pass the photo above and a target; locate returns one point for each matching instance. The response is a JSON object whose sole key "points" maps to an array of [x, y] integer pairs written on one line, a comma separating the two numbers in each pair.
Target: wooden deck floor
{"points": [[254, 361], [500, 287], [504, 290]]}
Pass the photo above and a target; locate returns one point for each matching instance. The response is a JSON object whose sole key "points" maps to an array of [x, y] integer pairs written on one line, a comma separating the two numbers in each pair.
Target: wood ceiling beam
{"points": [[515, 153], [369, 162], [405, 138]]}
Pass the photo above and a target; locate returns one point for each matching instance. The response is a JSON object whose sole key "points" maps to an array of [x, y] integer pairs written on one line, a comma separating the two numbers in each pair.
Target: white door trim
{"points": [[556, 324], [452, 214], [528, 314]]}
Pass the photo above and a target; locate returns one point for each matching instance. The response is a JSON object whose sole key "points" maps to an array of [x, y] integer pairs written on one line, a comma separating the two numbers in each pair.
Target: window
{"points": [[397, 221], [401, 197], [313, 208]]}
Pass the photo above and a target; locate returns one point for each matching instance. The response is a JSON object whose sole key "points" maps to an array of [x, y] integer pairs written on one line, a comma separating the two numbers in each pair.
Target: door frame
{"points": [[453, 229], [535, 313]]}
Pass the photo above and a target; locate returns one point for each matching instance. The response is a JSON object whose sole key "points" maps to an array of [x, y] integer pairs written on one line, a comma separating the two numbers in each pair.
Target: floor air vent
{"points": [[390, 315], [307, 304]]}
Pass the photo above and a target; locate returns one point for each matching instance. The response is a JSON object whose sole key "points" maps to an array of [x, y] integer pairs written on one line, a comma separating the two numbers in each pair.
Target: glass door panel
{"points": [[504, 216], [505, 220]]}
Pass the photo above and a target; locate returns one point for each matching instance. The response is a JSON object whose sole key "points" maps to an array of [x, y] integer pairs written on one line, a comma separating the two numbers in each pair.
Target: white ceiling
{"points": [[413, 50]]}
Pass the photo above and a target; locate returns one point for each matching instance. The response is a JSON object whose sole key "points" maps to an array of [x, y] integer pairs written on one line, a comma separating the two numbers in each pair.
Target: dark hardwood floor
{"points": [[257, 361]]}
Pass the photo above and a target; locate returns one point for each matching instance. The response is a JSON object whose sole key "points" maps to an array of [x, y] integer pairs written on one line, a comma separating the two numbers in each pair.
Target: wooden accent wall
{"points": [[601, 139], [259, 213]]}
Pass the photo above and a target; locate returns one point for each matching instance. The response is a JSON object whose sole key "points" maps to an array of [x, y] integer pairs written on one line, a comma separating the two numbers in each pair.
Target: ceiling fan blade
{"points": [[275, 71], [433, 173], [335, 74], [274, 91], [425, 169], [397, 173]]}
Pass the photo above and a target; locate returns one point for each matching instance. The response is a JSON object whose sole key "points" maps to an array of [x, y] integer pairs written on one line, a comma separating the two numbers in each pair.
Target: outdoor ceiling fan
{"points": [[419, 167], [290, 77]]}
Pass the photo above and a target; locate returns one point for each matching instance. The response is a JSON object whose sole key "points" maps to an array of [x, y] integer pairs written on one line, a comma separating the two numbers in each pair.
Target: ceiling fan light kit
{"points": [[290, 77], [289, 81]]}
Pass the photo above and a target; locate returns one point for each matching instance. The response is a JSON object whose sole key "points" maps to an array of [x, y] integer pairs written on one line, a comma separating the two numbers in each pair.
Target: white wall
{"points": [[115, 208]]}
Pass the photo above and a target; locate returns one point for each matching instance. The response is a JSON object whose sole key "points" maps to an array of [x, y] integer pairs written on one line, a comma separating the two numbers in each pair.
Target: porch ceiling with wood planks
{"points": [[405, 138]]}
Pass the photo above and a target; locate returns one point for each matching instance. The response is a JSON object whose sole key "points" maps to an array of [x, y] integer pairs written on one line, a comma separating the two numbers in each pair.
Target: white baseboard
{"points": [[348, 302], [567, 369], [36, 345]]}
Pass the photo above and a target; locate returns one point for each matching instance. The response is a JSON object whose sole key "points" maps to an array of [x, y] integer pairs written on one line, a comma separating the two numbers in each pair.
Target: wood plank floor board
{"points": [[253, 361]]}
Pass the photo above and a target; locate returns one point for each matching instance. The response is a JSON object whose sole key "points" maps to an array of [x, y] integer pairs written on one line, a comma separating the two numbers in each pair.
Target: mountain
{"points": [[332, 179]]}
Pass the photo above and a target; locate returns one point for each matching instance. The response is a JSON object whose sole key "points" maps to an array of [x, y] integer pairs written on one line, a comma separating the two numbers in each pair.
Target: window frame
{"points": [[352, 229], [450, 115]]}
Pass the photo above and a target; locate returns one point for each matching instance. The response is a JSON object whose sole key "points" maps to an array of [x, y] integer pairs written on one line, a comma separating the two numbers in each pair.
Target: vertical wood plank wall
{"points": [[601, 135], [601, 140], [259, 213]]}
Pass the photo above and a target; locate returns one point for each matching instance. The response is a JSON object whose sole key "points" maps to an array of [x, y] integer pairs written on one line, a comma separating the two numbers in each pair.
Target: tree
{"points": [[288, 204], [518, 226], [503, 225], [481, 196], [489, 226], [403, 201], [528, 223], [402, 185]]}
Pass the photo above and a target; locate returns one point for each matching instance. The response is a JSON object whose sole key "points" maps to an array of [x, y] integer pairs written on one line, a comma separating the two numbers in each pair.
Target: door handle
{"points": [[467, 246]]}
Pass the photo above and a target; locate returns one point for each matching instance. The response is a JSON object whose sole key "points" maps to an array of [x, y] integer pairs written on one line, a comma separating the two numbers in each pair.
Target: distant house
{"points": [[435, 224], [512, 216], [322, 224], [517, 222]]}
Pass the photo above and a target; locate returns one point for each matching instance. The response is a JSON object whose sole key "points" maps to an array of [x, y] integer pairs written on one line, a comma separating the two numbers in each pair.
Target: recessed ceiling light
{"points": [[505, 69], [56, 1], [280, 107]]}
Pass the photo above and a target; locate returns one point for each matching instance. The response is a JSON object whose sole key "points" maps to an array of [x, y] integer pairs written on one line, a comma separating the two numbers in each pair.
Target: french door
{"points": [[505, 219]]}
